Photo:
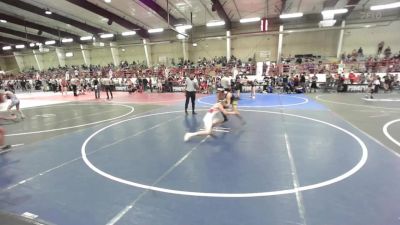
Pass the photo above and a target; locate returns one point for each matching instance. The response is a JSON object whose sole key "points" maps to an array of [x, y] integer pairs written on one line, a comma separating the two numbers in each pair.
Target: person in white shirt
{"points": [[226, 82], [159, 84], [191, 88], [14, 102]]}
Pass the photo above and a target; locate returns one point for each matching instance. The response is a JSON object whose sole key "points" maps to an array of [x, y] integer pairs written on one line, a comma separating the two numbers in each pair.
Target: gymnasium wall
{"points": [[50, 59], [264, 47], [76, 59], [10, 64], [101, 56], [368, 38], [29, 61], [208, 49], [165, 52], [132, 53], [323, 43], [260, 46], [2, 64]]}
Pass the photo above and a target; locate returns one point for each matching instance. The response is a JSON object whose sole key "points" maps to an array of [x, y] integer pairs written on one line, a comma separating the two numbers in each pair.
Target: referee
{"points": [[191, 87]]}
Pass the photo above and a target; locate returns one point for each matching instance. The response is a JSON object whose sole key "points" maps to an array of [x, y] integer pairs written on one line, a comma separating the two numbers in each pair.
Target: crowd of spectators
{"points": [[293, 74]]}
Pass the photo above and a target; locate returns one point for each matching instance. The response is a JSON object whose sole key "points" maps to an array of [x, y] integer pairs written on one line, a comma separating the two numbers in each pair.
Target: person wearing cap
{"points": [[190, 90], [209, 119]]}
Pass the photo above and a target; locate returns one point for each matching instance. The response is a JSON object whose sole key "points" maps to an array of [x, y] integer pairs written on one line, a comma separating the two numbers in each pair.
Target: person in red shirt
{"points": [[352, 77]]}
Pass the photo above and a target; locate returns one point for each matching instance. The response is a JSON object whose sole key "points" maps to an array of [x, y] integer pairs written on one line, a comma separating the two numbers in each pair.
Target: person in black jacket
{"points": [[96, 86]]}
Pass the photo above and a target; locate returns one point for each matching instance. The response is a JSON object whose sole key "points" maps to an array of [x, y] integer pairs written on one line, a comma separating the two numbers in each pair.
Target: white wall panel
{"points": [[101, 56], [245, 47], [322, 43], [133, 53], [368, 38]]}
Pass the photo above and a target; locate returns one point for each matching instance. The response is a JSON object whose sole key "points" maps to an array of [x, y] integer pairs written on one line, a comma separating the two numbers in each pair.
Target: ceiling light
{"points": [[69, 54], [335, 11], [249, 20], [20, 46], [128, 33], [327, 23], [156, 30], [3, 21], [48, 12], [386, 6], [86, 38], [38, 44], [67, 40], [183, 27], [194, 44], [50, 42], [7, 48], [108, 1], [215, 23], [291, 15], [181, 36], [32, 45], [106, 35]]}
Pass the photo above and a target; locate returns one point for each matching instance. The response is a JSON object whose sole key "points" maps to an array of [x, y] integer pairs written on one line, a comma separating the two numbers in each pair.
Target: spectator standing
{"points": [[380, 47], [360, 53], [314, 80], [96, 86]]}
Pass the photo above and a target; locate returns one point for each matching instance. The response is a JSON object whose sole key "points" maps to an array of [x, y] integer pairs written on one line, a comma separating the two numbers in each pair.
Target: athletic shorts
{"points": [[14, 103], [235, 103], [208, 121]]}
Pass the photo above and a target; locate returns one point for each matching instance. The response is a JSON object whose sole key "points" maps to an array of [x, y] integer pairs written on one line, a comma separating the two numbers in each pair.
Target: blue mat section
{"points": [[251, 157], [289, 101]]}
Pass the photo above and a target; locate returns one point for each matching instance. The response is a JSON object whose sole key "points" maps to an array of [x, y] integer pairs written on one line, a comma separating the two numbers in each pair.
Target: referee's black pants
{"points": [[192, 96]]}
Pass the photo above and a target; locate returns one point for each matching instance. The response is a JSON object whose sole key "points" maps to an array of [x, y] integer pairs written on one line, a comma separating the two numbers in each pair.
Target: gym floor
{"points": [[318, 159]]}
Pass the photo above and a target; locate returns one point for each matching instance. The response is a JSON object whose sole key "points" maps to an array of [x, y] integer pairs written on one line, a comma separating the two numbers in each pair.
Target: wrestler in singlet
{"points": [[209, 117]]}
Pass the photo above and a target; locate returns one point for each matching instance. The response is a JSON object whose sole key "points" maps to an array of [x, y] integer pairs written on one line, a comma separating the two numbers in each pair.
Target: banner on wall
{"points": [[264, 54], [163, 59], [264, 24]]}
